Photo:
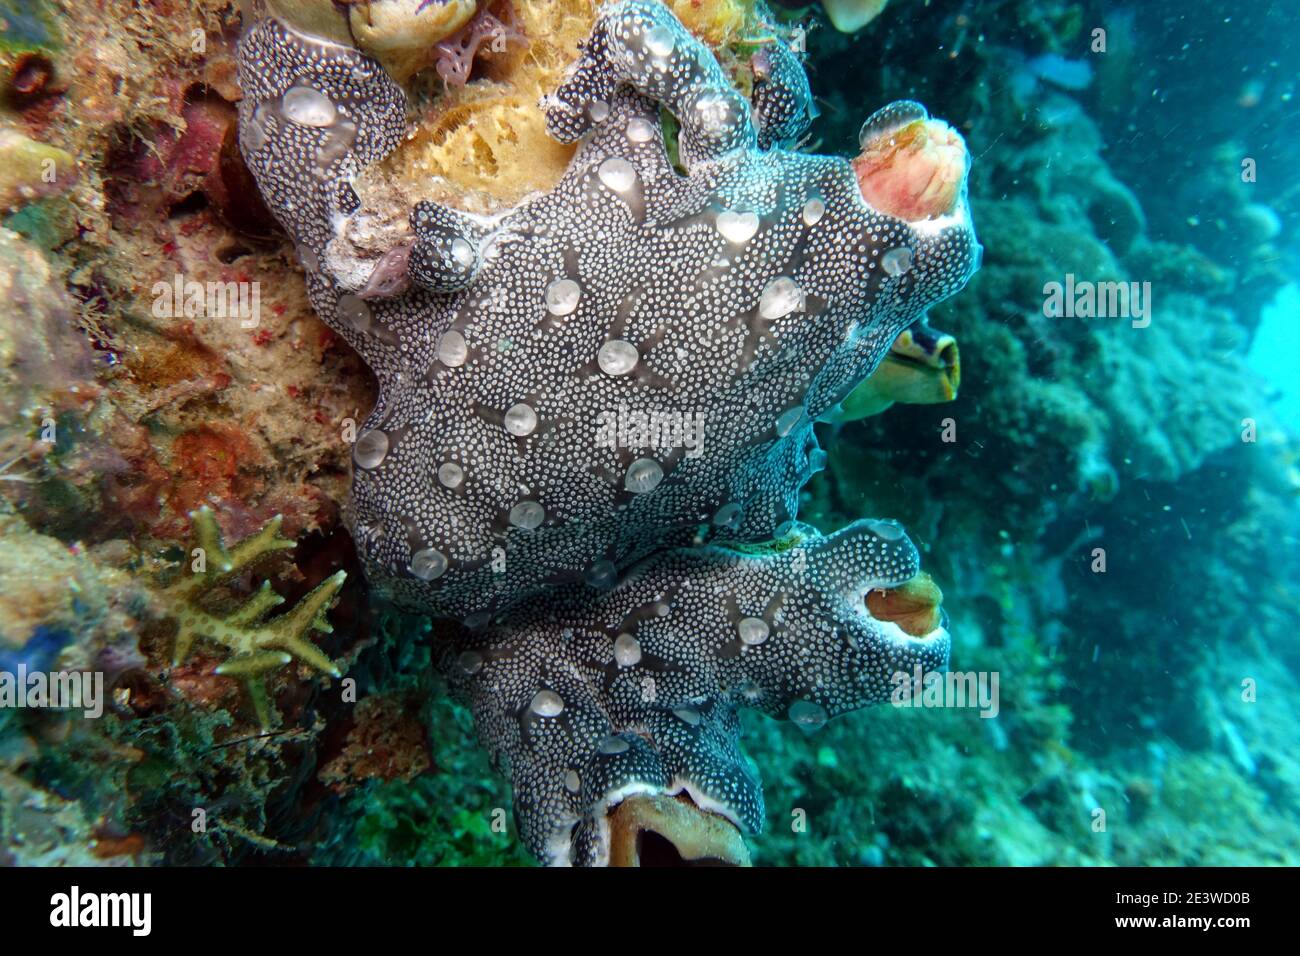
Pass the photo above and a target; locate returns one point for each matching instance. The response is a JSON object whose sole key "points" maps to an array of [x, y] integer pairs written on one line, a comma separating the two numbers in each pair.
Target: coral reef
{"points": [[1122, 691]]}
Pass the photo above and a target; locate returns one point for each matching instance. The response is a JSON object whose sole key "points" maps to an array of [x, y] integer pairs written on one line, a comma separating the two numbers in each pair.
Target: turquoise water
{"points": [[1273, 354]]}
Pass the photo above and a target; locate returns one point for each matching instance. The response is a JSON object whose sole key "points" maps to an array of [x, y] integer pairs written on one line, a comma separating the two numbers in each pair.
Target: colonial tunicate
{"points": [[665, 325]]}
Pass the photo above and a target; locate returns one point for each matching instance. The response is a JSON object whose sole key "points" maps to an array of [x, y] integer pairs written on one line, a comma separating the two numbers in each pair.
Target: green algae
{"points": [[28, 26]]}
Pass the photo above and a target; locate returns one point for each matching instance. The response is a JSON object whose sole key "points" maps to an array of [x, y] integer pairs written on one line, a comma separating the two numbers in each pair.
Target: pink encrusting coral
{"points": [[456, 53]]}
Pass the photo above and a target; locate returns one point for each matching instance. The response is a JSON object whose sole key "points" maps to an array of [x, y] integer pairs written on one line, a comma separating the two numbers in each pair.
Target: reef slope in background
{"points": [[1120, 691]]}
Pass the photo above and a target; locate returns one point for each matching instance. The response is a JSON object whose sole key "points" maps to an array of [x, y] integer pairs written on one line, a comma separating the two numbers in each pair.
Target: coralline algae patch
{"points": [[758, 290]]}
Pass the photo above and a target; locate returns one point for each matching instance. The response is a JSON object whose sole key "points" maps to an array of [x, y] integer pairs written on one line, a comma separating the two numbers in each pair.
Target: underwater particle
{"points": [[450, 474]]}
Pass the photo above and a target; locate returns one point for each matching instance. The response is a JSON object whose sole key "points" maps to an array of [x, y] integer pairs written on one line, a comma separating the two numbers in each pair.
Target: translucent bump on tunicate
{"points": [[254, 133], [617, 357], [520, 420], [808, 716], [308, 107], [562, 296], [470, 662], [728, 515], [598, 111], [713, 110], [355, 311], [788, 419], [462, 253], [612, 744], [602, 574], [371, 448], [572, 782], [659, 41], [627, 650], [896, 261], [640, 130], [452, 350], [737, 227], [780, 297], [428, 564], [617, 174], [643, 475], [546, 703], [888, 530], [752, 630], [687, 715], [527, 515], [813, 210], [451, 475], [336, 145]]}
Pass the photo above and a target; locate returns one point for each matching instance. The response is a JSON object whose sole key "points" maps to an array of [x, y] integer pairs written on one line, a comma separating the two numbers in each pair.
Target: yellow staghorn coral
{"points": [[257, 646]]}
